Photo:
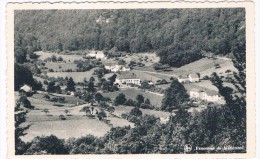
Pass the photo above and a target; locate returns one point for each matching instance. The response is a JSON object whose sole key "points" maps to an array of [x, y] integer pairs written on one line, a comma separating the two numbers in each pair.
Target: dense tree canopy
{"points": [[178, 35], [22, 75]]}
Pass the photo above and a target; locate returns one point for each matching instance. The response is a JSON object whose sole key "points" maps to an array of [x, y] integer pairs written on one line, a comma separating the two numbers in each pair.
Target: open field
{"points": [[151, 76], [203, 66], [132, 93], [206, 84], [60, 66], [68, 58], [67, 128], [75, 125], [38, 79], [40, 103], [77, 76]]}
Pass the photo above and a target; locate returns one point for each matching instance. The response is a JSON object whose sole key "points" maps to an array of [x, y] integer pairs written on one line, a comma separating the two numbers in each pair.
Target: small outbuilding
{"points": [[26, 90]]}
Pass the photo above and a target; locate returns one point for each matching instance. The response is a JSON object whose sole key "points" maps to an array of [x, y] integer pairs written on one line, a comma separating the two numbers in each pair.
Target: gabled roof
{"points": [[26, 88]]}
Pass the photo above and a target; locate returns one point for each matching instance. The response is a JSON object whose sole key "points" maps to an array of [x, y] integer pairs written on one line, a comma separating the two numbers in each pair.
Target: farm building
{"points": [[204, 94], [116, 68], [96, 54], [26, 90], [194, 77], [183, 79], [190, 78], [128, 79]]}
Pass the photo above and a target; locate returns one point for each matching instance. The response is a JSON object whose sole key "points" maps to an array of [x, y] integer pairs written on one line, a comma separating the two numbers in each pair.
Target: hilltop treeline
{"points": [[179, 36]]}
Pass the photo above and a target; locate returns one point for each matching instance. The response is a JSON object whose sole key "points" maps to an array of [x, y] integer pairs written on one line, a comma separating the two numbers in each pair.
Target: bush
{"points": [[62, 117], [111, 109], [46, 96], [136, 112], [48, 145]]}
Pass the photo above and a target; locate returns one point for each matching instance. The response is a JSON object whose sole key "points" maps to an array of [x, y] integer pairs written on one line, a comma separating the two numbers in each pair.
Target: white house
{"points": [[194, 77], [128, 79], [204, 94], [112, 67], [96, 54], [189, 78], [183, 79], [26, 89], [116, 68], [124, 68]]}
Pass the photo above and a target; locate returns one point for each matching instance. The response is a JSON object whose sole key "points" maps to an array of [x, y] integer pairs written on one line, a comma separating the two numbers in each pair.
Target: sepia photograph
{"points": [[165, 80]]}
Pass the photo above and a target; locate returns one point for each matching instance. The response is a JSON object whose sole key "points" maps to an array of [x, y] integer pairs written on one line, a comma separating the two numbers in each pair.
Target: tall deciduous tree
{"points": [[120, 99], [174, 96]]}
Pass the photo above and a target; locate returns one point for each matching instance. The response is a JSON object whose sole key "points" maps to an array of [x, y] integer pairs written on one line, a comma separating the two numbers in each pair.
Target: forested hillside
{"points": [[179, 36]]}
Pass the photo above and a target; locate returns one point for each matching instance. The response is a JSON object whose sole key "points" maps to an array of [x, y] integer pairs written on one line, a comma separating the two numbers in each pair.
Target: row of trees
{"points": [[179, 36]]}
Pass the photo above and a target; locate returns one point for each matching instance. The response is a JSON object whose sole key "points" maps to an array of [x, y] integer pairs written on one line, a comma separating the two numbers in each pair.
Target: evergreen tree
{"points": [[140, 99], [70, 85]]}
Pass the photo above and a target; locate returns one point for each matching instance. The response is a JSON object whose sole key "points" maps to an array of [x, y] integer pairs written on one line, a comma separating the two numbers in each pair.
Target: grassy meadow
{"points": [[132, 93]]}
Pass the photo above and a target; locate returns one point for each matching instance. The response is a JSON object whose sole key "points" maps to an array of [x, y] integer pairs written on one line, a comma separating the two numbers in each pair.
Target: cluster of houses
{"points": [[116, 68], [205, 94], [200, 93]]}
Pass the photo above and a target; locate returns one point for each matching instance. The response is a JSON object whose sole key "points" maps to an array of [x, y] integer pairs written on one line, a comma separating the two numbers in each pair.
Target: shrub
{"points": [[62, 117], [46, 96], [48, 145]]}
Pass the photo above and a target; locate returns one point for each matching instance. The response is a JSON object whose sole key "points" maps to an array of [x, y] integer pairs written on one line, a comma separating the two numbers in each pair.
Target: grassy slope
{"points": [[61, 66], [77, 76], [203, 66], [68, 58], [132, 93]]}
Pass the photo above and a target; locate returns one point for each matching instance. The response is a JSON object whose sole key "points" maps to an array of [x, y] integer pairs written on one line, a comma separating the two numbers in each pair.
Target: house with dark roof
{"points": [[127, 79]]}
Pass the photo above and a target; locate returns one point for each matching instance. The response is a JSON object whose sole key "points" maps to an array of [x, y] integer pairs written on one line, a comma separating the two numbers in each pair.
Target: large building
{"points": [[204, 94], [96, 54], [127, 79]]}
